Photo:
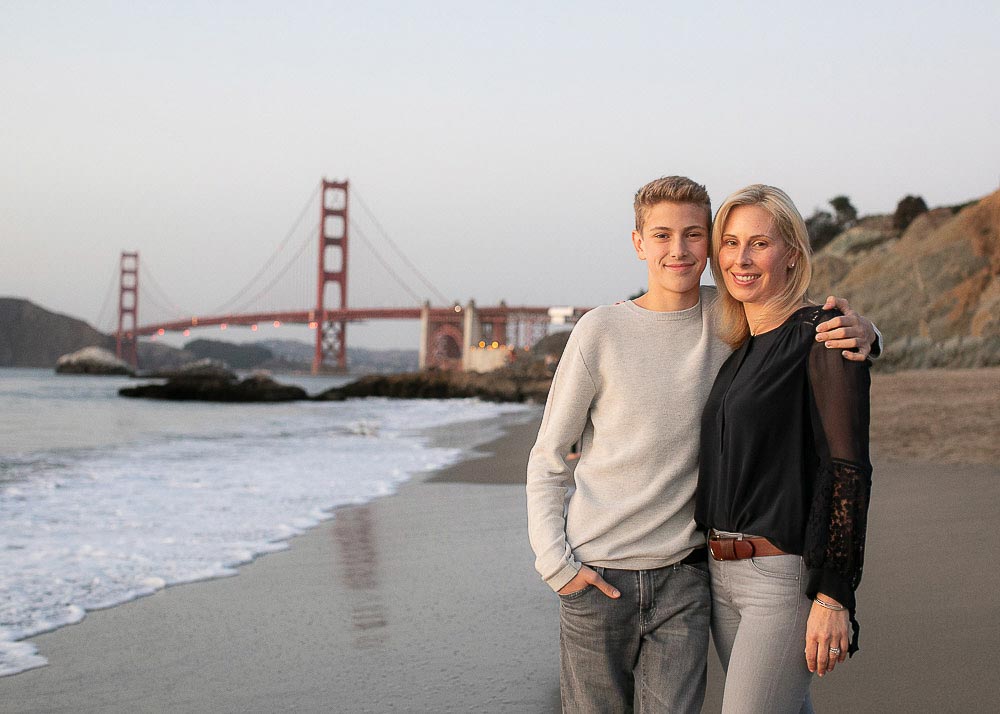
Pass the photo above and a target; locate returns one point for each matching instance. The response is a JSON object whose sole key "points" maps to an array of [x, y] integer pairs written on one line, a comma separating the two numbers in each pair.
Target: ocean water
{"points": [[105, 499]]}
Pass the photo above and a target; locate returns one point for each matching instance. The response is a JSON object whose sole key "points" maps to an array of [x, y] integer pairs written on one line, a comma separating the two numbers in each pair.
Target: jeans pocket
{"points": [[578, 593], [785, 567], [575, 594]]}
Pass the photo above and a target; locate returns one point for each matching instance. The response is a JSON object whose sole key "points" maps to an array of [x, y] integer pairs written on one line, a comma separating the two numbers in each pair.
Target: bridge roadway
{"points": [[307, 317]]}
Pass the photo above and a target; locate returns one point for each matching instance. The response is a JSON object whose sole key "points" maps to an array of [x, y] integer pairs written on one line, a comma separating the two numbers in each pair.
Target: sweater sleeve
{"points": [[836, 527], [549, 477]]}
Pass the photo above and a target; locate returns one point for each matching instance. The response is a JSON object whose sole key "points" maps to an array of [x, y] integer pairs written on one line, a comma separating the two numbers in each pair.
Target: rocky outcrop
{"points": [[92, 360], [209, 382], [934, 289], [526, 382]]}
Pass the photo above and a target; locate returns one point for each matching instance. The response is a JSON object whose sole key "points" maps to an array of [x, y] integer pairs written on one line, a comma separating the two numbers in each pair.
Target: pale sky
{"points": [[499, 146]]}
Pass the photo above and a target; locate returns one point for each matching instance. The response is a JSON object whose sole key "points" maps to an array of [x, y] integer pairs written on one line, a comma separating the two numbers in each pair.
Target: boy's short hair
{"points": [[675, 189]]}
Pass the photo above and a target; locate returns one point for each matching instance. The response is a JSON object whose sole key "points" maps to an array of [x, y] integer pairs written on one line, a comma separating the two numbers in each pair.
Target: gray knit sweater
{"points": [[632, 384]]}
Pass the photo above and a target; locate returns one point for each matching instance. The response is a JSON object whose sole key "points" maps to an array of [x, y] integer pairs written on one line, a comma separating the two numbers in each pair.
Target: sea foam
{"points": [[84, 529]]}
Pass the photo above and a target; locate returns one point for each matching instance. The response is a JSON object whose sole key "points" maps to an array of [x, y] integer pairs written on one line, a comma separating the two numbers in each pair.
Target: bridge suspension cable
{"points": [[112, 284], [278, 276], [225, 307], [382, 261], [153, 290], [166, 313], [378, 226]]}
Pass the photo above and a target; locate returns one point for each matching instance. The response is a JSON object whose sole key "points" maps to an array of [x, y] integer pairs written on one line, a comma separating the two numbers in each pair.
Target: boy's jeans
{"points": [[645, 651]]}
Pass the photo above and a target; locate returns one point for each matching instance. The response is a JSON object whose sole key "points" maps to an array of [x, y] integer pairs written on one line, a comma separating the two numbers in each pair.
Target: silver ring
{"points": [[835, 650]]}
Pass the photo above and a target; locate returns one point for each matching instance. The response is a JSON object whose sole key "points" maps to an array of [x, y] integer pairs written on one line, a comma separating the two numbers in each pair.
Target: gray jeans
{"points": [[645, 651], [759, 614]]}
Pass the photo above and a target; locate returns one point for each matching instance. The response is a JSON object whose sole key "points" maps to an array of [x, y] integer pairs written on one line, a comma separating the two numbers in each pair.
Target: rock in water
{"points": [[528, 382], [211, 383], [92, 360]]}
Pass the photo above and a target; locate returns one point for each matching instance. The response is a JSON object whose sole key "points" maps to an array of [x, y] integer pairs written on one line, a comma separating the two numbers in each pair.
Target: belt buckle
{"points": [[733, 540]]}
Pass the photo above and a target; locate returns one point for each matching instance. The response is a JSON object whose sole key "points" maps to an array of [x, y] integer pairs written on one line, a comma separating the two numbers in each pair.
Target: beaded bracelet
{"points": [[829, 606]]}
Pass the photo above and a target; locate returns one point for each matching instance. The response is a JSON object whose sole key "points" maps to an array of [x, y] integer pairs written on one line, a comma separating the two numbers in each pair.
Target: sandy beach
{"points": [[427, 600]]}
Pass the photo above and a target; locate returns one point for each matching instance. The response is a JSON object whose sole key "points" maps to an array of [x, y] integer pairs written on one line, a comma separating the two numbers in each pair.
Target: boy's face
{"points": [[674, 243]]}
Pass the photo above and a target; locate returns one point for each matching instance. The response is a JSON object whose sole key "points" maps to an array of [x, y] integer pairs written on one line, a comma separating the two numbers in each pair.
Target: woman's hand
{"points": [[826, 629]]}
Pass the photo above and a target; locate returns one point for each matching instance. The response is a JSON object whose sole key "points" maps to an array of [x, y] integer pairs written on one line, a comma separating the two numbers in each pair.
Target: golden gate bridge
{"points": [[449, 330]]}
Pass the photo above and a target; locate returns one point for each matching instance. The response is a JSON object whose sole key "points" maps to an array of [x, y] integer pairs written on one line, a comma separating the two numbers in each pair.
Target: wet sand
{"points": [[427, 601]]}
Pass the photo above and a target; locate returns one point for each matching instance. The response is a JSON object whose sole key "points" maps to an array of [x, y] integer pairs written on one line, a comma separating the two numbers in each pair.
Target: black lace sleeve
{"points": [[835, 531]]}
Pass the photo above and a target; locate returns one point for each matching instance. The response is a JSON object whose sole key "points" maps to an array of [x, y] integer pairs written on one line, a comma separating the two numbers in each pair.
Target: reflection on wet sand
{"points": [[357, 553]]}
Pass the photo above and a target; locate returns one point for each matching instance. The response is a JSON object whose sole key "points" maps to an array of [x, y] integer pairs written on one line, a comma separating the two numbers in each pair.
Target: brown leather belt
{"points": [[724, 548]]}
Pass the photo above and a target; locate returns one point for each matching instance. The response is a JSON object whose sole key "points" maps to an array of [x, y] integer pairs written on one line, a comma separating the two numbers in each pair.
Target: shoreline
{"points": [[414, 452], [304, 627]]}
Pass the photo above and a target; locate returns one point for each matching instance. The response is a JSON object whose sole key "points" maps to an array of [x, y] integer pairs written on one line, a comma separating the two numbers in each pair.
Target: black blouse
{"points": [[784, 452]]}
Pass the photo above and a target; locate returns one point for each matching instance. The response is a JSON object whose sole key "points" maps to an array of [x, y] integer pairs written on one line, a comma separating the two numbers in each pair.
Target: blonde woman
{"points": [[785, 474]]}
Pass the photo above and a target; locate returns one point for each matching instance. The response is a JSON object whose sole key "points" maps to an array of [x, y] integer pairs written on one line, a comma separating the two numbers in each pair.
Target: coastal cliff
{"points": [[31, 336], [933, 288]]}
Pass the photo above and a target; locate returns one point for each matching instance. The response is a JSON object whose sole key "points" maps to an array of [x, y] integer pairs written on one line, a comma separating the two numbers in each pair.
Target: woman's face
{"points": [[754, 259]]}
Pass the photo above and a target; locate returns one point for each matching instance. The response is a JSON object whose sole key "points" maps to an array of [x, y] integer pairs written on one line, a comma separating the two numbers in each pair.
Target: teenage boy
{"points": [[624, 554]]}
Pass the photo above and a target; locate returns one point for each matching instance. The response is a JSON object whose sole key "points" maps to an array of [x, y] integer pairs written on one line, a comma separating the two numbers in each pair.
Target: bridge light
{"points": [[313, 325], [253, 328], [495, 344], [223, 326], [160, 331], [458, 308], [481, 344], [194, 321], [277, 323], [187, 332]]}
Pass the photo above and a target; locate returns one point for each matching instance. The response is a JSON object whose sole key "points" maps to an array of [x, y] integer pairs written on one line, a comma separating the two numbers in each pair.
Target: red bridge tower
{"points": [[331, 335]]}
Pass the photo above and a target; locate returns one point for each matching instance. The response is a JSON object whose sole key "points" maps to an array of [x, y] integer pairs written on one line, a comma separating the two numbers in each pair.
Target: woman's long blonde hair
{"points": [[731, 317]]}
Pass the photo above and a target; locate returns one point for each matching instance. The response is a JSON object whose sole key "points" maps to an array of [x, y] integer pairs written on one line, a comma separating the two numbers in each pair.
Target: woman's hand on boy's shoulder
{"points": [[850, 332]]}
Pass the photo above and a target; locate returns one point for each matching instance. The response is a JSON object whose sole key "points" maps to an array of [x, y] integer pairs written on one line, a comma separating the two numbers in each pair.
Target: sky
{"points": [[498, 145]]}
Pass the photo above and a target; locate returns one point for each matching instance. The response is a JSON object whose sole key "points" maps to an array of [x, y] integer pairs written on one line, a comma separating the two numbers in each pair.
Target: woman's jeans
{"points": [[759, 614], [645, 651]]}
